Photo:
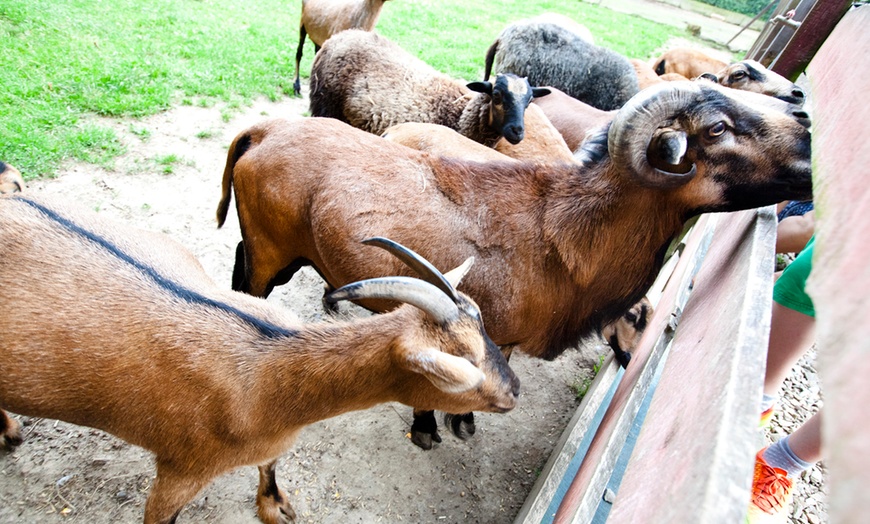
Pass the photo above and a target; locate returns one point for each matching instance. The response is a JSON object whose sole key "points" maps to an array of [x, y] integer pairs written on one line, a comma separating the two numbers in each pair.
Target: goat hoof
{"points": [[11, 437], [425, 440], [273, 511], [461, 425]]}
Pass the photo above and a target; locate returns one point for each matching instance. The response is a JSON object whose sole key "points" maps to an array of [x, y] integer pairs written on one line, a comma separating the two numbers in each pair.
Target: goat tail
{"points": [[238, 148], [490, 57]]}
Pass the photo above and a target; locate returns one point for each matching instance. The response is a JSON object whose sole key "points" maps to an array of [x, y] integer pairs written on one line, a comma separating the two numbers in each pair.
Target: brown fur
{"points": [[323, 18], [573, 119], [440, 140], [688, 62], [646, 75], [559, 249], [205, 378], [11, 180], [749, 75]]}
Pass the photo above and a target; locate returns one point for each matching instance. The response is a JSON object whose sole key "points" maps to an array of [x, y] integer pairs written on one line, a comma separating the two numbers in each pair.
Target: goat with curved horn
{"points": [[637, 139]]}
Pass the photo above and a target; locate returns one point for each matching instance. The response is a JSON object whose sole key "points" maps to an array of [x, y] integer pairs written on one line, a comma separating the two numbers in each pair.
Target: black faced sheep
{"points": [[550, 54], [371, 83], [560, 249], [323, 18]]}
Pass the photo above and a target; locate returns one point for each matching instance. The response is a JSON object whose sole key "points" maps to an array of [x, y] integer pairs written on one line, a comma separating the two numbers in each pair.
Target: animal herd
{"points": [[551, 191]]}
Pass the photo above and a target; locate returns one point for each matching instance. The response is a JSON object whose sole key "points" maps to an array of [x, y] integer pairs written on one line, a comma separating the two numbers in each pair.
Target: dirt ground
{"points": [[359, 467]]}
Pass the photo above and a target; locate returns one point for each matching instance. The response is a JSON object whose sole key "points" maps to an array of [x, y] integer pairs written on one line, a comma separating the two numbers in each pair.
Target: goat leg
{"points": [[424, 430], [10, 434], [461, 425], [171, 491], [273, 506]]}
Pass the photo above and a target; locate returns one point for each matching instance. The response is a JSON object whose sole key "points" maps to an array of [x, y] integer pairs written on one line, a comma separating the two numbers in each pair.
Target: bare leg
{"points": [[791, 335], [273, 506], [806, 441]]}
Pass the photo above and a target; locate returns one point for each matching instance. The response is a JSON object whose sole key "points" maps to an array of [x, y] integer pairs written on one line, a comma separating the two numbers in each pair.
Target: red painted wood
{"points": [[840, 282], [602, 444], [817, 25], [694, 456]]}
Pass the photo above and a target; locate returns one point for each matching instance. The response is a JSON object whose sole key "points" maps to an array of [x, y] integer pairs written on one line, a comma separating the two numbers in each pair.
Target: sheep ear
{"points": [[538, 92], [709, 76], [455, 276], [480, 87], [448, 373]]}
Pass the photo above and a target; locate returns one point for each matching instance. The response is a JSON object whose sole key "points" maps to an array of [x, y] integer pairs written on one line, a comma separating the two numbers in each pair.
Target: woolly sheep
{"points": [[371, 83], [323, 18], [549, 54]]}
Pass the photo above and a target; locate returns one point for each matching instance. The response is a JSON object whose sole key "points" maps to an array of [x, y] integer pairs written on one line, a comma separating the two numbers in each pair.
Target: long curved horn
{"points": [[401, 289], [426, 270], [636, 144]]}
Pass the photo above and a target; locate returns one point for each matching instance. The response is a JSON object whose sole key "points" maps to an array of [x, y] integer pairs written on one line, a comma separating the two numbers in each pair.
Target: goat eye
{"points": [[717, 129], [737, 75], [496, 97]]}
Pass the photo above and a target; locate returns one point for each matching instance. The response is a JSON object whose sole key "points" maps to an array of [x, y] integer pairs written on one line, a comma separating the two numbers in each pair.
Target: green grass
{"points": [[67, 62]]}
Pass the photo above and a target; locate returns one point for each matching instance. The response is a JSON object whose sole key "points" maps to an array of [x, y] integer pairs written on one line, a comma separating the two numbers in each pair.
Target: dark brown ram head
{"points": [[719, 149]]}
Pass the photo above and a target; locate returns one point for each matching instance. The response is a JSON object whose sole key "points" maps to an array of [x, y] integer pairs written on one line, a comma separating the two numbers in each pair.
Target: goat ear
{"points": [[480, 87], [448, 373], [455, 276], [538, 92], [709, 76]]}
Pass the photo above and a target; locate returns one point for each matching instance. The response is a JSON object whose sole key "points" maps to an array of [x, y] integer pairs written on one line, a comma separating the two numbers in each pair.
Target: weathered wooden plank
{"points": [[581, 499], [808, 38], [551, 480], [840, 281], [696, 446]]}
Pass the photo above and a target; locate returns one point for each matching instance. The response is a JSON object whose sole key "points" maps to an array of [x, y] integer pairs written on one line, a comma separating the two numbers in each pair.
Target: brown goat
{"points": [[646, 75], [560, 249], [749, 75], [574, 119], [129, 335], [11, 180], [323, 18], [623, 334], [687, 61], [442, 141]]}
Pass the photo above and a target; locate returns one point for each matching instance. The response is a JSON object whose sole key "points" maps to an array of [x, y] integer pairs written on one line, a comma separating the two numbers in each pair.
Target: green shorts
{"points": [[789, 290]]}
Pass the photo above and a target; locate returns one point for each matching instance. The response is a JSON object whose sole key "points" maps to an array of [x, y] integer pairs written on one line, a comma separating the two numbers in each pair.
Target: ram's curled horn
{"points": [[426, 270], [654, 156], [401, 289]]}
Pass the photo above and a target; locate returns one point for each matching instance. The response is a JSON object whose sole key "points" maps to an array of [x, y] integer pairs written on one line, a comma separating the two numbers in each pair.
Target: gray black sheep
{"points": [[553, 54]]}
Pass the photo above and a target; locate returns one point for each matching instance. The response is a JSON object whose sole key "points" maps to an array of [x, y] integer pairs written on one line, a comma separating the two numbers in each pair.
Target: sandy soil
{"points": [[359, 467]]}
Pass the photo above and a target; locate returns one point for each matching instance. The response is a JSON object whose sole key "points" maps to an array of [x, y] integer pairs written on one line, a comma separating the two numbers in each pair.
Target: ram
{"points": [[323, 18], [560, 249], [206, 378], [371, 83], [551, 54]]}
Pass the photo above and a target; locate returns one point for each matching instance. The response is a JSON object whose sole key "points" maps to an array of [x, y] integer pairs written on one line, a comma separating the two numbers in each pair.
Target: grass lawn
{"points": [[67, 61]]}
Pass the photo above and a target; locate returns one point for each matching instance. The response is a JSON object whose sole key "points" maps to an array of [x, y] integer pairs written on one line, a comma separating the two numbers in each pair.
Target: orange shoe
{"points": [[771, 494], [766, 417]]}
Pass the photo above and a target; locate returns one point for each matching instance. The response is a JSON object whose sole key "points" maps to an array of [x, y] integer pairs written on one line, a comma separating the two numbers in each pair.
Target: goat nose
{"points": [[798, 93], [802, 117]]}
